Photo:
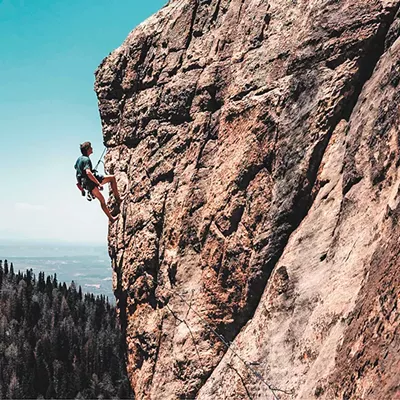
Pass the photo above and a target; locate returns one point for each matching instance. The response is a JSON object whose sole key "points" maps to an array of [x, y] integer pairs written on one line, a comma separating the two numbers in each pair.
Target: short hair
{"points": [[85, 148]]}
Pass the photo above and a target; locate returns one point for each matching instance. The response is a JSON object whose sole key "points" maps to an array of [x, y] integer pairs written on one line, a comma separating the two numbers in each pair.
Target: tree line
{"points": [[56, 342]]}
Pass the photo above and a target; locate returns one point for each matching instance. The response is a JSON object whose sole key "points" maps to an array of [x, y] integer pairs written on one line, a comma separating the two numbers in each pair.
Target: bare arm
{"points": [[90, 175]]}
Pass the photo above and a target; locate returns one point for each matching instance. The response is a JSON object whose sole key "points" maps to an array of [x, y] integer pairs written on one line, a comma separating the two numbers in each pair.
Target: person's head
{"points": [[86, 149]]}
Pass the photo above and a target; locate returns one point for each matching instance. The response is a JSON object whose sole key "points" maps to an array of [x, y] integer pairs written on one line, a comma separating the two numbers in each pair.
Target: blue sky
{"points": [[49, 52]]}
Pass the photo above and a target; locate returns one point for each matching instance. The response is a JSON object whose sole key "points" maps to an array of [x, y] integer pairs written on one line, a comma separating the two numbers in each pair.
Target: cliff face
{"points": [[257, 144]]}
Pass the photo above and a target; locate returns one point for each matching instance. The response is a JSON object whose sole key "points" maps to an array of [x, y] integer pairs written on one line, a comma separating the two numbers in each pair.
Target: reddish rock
{"points": [[257, 180]]}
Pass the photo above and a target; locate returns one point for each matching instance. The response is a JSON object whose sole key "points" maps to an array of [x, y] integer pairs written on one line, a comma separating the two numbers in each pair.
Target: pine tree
{"points": [[49, 288], [50, 393], [14, 389], [41, 284], [1, 274], [41, 370]]}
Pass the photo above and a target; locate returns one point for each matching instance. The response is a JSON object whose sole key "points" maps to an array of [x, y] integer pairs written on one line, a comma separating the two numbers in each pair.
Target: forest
{"points": [[56, 342]]}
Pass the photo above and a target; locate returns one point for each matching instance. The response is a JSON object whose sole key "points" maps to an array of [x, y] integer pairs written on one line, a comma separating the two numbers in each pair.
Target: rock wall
{"points": [[257, 145]]}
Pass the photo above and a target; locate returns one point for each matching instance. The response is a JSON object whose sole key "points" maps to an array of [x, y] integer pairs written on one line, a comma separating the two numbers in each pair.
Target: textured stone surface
{"points": [[261, 198]]}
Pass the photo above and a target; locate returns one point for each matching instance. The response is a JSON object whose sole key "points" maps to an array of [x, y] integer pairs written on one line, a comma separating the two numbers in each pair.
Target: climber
{"points": [[91, 181]]}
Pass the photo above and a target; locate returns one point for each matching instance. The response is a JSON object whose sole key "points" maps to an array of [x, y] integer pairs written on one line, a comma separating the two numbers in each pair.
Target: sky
{"points": [[49, 50]]}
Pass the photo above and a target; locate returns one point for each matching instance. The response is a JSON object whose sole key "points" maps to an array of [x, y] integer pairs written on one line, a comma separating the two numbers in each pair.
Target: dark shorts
{"points": [[88, 184]]}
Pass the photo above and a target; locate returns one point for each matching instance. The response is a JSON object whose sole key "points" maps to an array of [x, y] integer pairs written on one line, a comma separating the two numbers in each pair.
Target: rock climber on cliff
{"points": [[93, 182]]}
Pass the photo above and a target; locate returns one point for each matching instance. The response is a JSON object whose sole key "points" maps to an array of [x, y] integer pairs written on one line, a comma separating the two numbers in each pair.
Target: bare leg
{"points": [[97, 194], [111, 179]]}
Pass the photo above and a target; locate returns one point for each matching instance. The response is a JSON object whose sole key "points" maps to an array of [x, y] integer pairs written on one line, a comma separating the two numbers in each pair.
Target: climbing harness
{"points": [[85, 192]]}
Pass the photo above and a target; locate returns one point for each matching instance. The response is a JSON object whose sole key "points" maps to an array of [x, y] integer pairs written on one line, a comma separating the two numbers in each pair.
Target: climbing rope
{"points": [[227, 345], [101, 160]]}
